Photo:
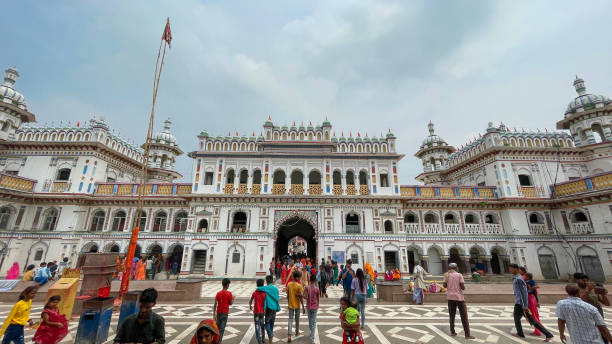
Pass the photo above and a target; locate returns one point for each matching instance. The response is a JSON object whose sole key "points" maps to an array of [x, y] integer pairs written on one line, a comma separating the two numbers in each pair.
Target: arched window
{"points": [[410, 218], [119, 221], [350, 178], [180, 222], [388, 226], [430, 218], [490, 218], [352, 223], [50, 219], [278, 177], [203, 226], [314, 177], [337, 178], [63, 174], [230, 176], [535, 218], [159, 222], [239, 222], [5, 216], [470, 218], [450, 218], [244, 176], [97, 223], [363, 177], [297, 177], [257, 177], [143, 220], [525, 180], [579, 216]]}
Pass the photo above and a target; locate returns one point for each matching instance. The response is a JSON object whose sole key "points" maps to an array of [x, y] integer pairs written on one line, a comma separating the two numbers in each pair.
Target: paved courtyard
{"points": [[385, 323]]}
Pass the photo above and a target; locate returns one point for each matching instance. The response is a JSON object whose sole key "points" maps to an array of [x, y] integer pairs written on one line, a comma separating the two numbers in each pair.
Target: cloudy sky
{"points": [[366, 65]]}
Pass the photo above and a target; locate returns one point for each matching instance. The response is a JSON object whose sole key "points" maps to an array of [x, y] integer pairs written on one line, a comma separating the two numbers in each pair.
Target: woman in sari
{"points": [[141, 272], [13, 272], [206, 333], [396, 275], [284, 273], [370, 276]]}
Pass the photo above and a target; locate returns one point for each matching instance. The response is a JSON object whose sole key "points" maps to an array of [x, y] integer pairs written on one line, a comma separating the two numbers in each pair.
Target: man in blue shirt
{"points": [[347, 278], [272, 305], [520, 305], [42, 275]]}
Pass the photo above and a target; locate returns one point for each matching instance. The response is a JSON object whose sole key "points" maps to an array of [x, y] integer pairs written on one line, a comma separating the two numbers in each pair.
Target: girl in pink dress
{"points": [[54, 326]]}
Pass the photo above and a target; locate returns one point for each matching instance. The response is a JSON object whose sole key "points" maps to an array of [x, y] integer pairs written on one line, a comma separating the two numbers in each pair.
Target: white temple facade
{"points": [[540, 199]]}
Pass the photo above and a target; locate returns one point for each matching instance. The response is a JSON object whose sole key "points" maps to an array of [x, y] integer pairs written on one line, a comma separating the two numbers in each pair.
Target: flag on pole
{"points": [[167, 36]]}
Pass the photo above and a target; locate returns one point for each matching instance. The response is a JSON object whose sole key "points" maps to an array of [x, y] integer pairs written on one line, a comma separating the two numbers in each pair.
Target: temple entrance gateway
{"points": [[296, 230]]}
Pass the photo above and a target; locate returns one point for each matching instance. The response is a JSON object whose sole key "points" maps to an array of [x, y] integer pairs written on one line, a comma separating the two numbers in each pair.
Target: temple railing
{"points": [[17, 183], [592, 183]]}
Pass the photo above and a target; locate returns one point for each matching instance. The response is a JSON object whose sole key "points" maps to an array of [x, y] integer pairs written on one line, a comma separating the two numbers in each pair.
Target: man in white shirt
{"points": [[584, 322]]}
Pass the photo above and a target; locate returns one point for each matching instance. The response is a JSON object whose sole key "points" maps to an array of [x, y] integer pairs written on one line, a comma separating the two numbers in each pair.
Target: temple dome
{"points": [[585, 101], [165, 136], [7, 93], [432, 139]]}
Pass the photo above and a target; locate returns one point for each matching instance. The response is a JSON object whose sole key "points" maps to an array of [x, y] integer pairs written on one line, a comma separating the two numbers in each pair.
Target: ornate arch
{"points": [[459, 248], [417, 248], [481, 250], [149, 247], [87, 246], [354, 246], [282, 216], [174, 245], [390, 247], [436, 247]]}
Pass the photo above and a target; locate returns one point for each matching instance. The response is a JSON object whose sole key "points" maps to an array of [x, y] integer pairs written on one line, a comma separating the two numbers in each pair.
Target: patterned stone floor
{"points": [[385, 324], [244, 289]]}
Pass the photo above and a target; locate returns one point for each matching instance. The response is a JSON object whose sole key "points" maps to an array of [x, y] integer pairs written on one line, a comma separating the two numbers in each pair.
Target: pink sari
{"points": [[13, 272]]}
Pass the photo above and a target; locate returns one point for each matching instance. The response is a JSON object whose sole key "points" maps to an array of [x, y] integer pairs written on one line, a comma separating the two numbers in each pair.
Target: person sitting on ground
{"points": [[43, 275], [207, 332], [396, 275], [145, 326], [28, 275]]}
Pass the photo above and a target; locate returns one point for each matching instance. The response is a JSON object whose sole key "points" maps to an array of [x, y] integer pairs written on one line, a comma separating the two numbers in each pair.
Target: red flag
{"points": [[167, 36]]}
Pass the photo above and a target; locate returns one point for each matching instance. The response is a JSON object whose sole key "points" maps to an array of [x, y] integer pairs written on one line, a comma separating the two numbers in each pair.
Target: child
{"points": [[223, 300], [532, 300], [206, 333], [311, 292], [258, 311], [272, 306], [349, 321], [294, 299], [28, 275], [54, 326], [12, 329]]}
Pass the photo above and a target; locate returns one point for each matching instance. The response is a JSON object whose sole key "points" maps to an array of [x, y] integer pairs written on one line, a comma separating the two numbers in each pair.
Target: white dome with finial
{"points": [[165, 136], [8, 93], [432, 139], [585, 101]]}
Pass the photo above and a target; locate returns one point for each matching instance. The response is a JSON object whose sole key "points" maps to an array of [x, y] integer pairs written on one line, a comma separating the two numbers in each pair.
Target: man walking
{"points": [[520, 305], [583, 320], [455, 285], [272, 306]]}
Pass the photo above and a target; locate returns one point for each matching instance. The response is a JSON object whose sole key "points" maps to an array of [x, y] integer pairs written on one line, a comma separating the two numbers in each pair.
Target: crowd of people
{"points": [[42, 274], [147, 267], [581, 313]]}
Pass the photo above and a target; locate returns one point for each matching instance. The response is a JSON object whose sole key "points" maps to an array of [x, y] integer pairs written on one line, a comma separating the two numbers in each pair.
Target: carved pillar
{"points": [[444, 263], [487, 264], [506, 264], [466, 264], [424, 264]]}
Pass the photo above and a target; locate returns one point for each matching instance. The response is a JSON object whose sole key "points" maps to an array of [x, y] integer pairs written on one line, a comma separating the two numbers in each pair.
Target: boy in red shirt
{"points": [[223, 300], [258, 311]]}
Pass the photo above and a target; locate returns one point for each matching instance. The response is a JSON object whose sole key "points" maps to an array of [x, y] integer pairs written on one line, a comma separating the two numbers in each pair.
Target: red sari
{"points": [[284, 274], [49, 334]]}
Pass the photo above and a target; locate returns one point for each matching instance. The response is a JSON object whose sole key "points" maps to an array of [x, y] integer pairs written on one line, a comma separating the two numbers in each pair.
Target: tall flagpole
{"points": [[159, 65]]}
